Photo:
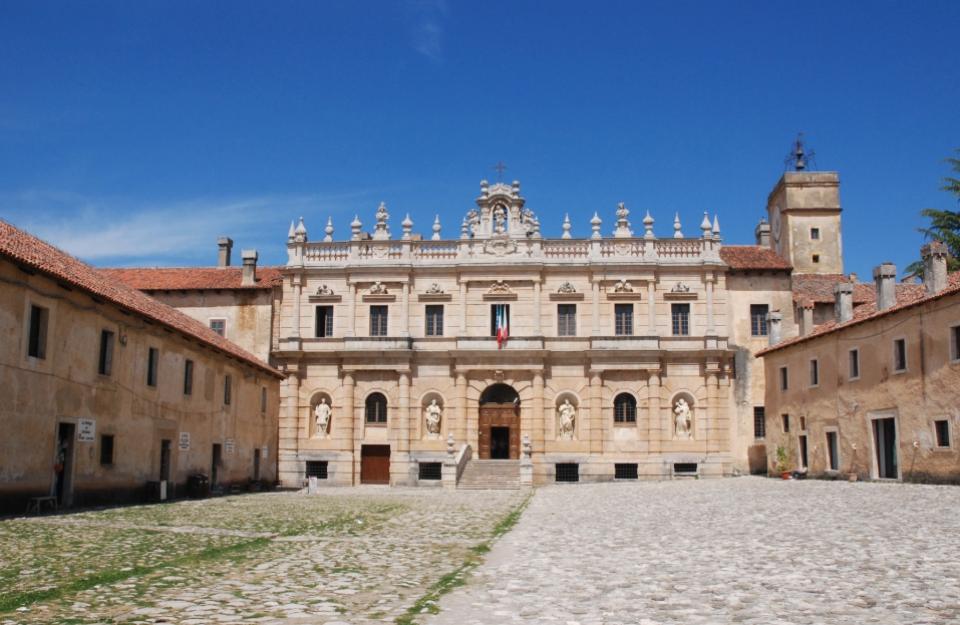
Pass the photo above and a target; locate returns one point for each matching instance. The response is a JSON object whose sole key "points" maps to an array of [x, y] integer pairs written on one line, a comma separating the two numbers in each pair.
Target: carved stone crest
{"points": [[622, 286], [500, 246], [434, 289], [323, 289], [499, 288], [566, 287], [378, 288], [680, 287]]}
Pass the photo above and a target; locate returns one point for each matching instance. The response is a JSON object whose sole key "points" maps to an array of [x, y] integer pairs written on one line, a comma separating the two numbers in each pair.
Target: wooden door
{"points": [[499, 415], [375, 464]]}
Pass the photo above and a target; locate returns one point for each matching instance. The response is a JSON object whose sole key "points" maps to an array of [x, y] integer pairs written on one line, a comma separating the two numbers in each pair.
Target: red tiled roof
{"points": [[752, 257], [27, 250], [908, 295], [192, 278], [810, 289]]}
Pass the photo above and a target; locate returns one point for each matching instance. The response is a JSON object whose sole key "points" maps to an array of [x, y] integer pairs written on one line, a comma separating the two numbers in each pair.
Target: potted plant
{"points": [[783, 462]]}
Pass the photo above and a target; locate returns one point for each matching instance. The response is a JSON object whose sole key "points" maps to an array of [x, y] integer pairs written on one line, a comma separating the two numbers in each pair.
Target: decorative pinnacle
{"points": [[464, 229], [595, 226], [716, 226], [677, 234], [436, 228], [566, 226], [328, 230], [648, 227], [705, 225], [292, 233]]}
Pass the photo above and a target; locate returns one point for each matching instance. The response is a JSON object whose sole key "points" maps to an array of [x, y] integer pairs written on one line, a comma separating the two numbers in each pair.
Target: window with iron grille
{"points": [[625, 471], [685, 468], [378, 321], [759, 422], [153, 361], [566, 319], [900, 355], [37, 337], [188, 377], [430, 470], [106, 449], [623, 319], [324, 322], [434, 320], [219, 326], [758, 319], [568, 472], [317, 469], [680, 315], [942, 428], [376, 408], [624, 408]]}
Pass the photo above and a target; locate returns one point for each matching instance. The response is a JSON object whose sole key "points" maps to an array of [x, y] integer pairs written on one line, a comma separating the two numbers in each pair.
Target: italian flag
{"points": [[503, 326]]}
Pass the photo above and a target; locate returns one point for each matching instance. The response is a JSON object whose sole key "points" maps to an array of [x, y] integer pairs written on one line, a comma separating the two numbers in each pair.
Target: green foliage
{"points": [[783, 459], [944, 224]]}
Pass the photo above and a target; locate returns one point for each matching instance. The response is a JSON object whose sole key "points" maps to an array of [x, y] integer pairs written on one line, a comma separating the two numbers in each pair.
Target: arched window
{"points": [[624, 408], [376, 410]]}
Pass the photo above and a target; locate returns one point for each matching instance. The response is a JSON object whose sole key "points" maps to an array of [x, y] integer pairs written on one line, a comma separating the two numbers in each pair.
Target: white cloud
{"points": [[427, 28]]}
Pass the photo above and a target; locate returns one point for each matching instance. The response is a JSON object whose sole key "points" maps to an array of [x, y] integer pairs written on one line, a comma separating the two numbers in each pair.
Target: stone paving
{"points": [[745, 550], [348, 555]]}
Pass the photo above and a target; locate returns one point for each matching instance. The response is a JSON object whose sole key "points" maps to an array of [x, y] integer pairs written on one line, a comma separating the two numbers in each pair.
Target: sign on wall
{"points": [[265, 452], [184, 441], [86, 430], [229, 445]]}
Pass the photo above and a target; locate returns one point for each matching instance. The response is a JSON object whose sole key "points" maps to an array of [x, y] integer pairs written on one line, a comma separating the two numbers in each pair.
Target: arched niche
{"points": [[317, 427], [682, 411], [432, 414], [566, 415]]}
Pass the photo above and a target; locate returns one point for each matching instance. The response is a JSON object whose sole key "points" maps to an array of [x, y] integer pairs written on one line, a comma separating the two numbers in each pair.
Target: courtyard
{"points": [[745, 550]]}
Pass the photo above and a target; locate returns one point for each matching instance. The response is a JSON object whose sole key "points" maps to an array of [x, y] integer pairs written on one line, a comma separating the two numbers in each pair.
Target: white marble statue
{"points": [[622, 286], [567, 414], [433, 415], [322, 415], [378, 288], [683, 418]]}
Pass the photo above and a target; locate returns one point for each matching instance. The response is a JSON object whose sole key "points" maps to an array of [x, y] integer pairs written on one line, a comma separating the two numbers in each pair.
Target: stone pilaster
{"points": [[651, 308], [596, 412], [655, 430], [537, 309], [711, 325], [288, 465], [347, 423], [595, 306], [405, 309], [538, 435], [297, 281], [461, 424], [351, 309]]}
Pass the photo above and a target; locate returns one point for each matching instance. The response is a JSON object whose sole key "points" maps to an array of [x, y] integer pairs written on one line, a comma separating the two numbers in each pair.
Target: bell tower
{"points": [[804, 212]]}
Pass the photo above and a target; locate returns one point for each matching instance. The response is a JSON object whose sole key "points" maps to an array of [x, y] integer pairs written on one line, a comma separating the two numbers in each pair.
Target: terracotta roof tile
{"points": [[908, 295], [192, 278], [818, 289], [27, 250], [752, 257]]}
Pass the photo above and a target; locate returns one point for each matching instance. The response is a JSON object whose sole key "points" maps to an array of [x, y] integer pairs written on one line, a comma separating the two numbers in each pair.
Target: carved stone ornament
{"points": [[622, 286], [322, 414], [499, 288], [683, 420], [432, 416], [567, 417], [378, 288], [434, 289], [500, 246], [680, 287], [323, 289], [566, 287]]}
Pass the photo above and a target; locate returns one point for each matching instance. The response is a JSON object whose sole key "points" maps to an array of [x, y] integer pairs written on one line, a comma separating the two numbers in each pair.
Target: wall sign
{"points": [[86, 430], [184, 441], [229, 445], [265, 452]]}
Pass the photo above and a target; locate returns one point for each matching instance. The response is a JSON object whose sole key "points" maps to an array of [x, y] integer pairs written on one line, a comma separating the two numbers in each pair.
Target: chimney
{"points": [[934, 255], [226, 246], [843, 302], [249, 275], [885, 277], [762, 233], [774, 320], [806, 318]]}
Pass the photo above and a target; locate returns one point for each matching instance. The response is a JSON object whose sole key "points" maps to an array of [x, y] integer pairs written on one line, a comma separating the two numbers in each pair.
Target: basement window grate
{"points": [[568, 472], [430, 470], [685, 468], [625, 471], [317, 469]]}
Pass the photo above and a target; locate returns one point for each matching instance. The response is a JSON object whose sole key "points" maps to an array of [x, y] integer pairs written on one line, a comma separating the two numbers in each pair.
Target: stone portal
{"points": [[499, 435]]}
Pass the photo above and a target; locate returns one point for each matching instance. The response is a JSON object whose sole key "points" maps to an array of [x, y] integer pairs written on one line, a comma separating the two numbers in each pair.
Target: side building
{"points": [[107, 390], [875, 391]]}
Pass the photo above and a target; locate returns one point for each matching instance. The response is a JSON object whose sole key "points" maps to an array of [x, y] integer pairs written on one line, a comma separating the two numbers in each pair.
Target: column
{"points": [[297, 290], [711, 328], [709, 417], [655, 430], [403, 434], [538, 434], [463, 308], [651, 308], [460, 431], [288, 466], [405, 310], [595, 306], [537, 309], [596, 412], [346, 425], [351, 309]]}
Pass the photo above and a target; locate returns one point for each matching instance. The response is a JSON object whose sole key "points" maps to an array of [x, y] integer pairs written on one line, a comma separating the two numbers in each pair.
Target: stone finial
{"points": [[225, 247], [595, 226], [566, 227], [328, 230], [355, 227], [885, 278], [291, 233], [762, 233], [436, 228], [407, 226], [677, 234], [716, 226], [300, 234], [705, 225], [484, 187], [248, 276], [843, 302], [934, 255], [464, 229], [622, 231], [774, 322], [381, 230], [516, 187], [648, 227]]}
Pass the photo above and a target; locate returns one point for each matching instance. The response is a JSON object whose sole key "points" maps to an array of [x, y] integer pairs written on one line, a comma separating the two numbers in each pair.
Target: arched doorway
{"points": [[499, 423]]}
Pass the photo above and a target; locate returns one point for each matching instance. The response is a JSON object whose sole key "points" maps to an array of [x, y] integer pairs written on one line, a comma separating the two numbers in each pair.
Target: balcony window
{"points": [[624, 408], [434, 320], [566, 320], [378, 321], [680, 316], [324, 322], [623, 319], [376, 408]]}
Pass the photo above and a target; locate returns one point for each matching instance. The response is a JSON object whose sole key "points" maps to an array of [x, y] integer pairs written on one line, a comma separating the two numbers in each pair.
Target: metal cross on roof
{"points": [[500, 168]]}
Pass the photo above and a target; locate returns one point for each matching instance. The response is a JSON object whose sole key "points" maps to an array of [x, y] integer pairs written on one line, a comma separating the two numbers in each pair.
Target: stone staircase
{"points": [[491, 475]]}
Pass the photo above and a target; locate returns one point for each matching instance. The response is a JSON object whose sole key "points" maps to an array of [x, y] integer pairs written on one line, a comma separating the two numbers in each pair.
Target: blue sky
{"points": [[134, 133]]}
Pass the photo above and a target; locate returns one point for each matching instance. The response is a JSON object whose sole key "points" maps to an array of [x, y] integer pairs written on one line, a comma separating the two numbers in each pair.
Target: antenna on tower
{"points": [[799, 157]]}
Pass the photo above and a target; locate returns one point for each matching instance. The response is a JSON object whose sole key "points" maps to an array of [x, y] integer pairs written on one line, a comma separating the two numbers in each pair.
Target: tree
{"points": [[944, 224]]}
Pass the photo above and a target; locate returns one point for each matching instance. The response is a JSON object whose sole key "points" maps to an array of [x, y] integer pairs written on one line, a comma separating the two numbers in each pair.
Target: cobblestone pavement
{"points": [[348, 555], [747, 550]]}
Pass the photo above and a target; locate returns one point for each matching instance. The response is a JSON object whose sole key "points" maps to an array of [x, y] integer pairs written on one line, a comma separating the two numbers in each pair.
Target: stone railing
{"points": [[514, 250]]}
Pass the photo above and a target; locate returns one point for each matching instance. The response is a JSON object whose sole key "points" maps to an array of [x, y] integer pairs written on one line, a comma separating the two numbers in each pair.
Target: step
{"points": [[490, 475]]}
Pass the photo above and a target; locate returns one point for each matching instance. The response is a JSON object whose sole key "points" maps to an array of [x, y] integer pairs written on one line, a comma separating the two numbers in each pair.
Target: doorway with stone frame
{"points": [[499, 423]]}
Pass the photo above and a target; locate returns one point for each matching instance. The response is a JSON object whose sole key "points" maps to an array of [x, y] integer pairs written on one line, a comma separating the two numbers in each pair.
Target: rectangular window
{"points": [[566, 319], [803, 423], [37, 339], [900, 355], [784, 379], [814, 372], [942, 428], [317, 469], [955, 343], [623, 319], [153, 361], [434, 320], [833, 451], [188, 377], [499, 314], [758, 319], [219, 326], [815, 234], [854, 359], [378, 321], [759, 422], [106, 449], [324, 325], [227, 389], [785, 421], [816, 258], [625, 471], [568, 472], [680, 314], [430, 470], [263, 399], [105, 365]]}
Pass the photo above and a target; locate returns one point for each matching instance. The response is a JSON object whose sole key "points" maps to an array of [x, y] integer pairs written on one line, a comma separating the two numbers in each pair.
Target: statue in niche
{"points": [[566, 287], [434, 413], [434, 289], [322, 414], [680, 287], [323, 289], [567, 414], [378, 288], [499, 219], [622, 286], [683, 418]]}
